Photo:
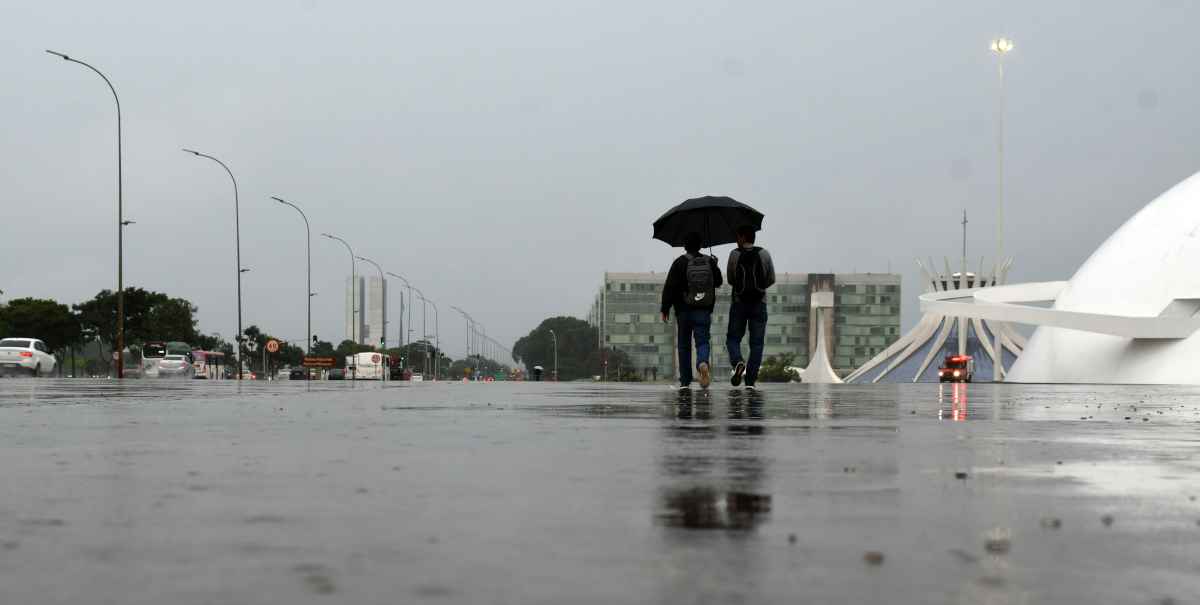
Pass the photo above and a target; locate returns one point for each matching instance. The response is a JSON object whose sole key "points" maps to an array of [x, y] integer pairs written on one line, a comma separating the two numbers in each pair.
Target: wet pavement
{"points": [[293, 492]]}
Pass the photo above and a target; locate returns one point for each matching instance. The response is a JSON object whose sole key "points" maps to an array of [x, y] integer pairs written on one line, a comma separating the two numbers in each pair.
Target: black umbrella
{"points": [[715, 218]]}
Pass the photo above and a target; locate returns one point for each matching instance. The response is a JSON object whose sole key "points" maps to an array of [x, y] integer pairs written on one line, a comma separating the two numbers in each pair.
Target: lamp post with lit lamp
{"points": [[1000, 47], [120, 344]]}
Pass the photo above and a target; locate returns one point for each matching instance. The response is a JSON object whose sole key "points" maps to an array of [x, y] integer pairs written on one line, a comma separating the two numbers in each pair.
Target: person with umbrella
{"points": [[691, 289], [699, 222]]}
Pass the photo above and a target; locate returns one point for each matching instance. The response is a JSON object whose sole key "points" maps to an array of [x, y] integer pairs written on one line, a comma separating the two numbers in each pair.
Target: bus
{"points": [[208, 364]]}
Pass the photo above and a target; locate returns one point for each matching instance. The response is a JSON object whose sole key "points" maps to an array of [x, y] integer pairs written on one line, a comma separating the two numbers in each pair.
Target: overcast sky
{"points": [[502, 155]]}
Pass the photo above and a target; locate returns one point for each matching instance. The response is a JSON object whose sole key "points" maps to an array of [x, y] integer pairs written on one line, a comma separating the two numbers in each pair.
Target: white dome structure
{"points": [[1128, 316], [1150, 267]]}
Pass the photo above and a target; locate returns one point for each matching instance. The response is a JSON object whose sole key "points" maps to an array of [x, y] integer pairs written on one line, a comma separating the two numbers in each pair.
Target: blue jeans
{"points": [[742, 315], [692, 323]]}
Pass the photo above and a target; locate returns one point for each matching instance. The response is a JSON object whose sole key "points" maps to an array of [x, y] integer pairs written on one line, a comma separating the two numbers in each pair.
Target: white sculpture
{"points": [[917, 355], [1127, 316]]}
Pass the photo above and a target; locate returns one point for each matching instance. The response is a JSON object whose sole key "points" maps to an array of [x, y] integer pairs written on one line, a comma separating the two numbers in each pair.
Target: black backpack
{"points": [[700, 280], [749, 277]]}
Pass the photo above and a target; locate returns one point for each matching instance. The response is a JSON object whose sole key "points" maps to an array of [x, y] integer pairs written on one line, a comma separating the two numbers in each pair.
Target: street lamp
{"points": [[237, 238], [353, 287], [437, 339], [353, 301], [555, 337], [120, 222], [308, 256], [403, 321], [383, 311], [424, 333], [469, 330], [1000, 47]]}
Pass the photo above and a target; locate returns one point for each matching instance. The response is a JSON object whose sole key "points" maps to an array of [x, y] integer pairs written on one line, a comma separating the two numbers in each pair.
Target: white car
{"points": [[175, 366], [26, 355]]}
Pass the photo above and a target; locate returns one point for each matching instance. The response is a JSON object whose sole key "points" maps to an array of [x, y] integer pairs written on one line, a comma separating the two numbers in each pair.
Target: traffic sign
{"points": [[272, 346], [318, 362]]}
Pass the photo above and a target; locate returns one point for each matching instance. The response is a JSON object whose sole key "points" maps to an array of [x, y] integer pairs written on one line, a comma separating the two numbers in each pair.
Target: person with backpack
{"points": [[691, 289], [750, 272]]}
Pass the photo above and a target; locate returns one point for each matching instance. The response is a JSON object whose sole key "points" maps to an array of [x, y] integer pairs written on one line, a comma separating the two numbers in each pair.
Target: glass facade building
{"points": [[864, 321]]}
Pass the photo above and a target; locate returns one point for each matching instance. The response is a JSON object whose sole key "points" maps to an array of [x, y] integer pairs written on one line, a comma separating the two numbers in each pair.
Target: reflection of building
{"points": [[376, 311], [354, 310], [863, 319], [917, 356]]}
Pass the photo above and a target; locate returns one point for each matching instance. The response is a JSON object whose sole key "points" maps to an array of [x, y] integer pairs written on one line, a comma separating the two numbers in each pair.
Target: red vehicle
{"points": [[957, 368]]}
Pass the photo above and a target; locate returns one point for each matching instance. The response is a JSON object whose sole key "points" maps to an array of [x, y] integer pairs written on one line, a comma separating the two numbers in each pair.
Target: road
{"points": [[292, 492]]}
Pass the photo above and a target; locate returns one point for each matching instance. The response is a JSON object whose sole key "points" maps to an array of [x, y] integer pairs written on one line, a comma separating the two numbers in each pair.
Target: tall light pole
{"points": [[120, 221], [382, 302], [353, 287], [353, 302], [467, 318], [403, 321], [237, 239], [437, 338], [308, 255], [555, 337], [424, 333], [1000, 47]]}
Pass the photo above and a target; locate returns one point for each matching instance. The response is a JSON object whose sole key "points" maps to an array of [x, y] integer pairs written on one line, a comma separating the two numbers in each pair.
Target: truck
{"points": [[957, 368], [366, 366]]}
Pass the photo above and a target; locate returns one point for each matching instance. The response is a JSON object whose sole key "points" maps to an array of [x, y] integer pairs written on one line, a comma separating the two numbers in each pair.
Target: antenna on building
{"points": [[964, 246]]}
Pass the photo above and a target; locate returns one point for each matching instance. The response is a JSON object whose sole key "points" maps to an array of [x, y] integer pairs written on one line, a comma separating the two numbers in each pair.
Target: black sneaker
{"points": [[736, 378]]}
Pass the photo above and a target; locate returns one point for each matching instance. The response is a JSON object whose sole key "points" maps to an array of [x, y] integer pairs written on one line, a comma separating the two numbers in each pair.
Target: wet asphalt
{"points": [[292, 492]]}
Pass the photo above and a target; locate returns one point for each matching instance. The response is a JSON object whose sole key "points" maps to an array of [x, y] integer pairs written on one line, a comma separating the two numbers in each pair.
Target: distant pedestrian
{"points": [[691, 289], [750, 272]]}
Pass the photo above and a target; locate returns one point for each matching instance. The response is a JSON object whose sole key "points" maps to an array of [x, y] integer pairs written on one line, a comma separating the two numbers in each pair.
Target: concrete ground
{"points": [[272, 493]]}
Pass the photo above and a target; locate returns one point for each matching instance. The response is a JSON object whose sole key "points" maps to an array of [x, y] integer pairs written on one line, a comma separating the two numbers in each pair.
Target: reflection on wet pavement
{"points": [[294, 492]]}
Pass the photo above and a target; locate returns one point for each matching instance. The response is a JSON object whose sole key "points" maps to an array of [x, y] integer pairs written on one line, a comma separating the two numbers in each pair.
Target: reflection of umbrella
{"points": [[716, 219]]}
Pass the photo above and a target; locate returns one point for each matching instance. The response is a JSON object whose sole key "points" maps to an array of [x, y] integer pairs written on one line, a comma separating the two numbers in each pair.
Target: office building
{"points": [[863, 321], [376, 324]]}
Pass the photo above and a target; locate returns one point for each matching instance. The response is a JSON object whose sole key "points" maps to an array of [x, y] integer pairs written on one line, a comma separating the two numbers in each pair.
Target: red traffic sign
{"points": [[272, 346]]}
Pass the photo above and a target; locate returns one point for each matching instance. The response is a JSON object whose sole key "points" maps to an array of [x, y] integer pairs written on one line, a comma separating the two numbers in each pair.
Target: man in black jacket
{"points": [[691, 290]]}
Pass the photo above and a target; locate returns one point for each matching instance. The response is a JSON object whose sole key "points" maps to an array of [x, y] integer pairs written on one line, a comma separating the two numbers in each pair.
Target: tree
{"points": [[323, 348], [148, 316], [577, 348], [347, 348], [775, 369], [41, 318], [289, 354], [414, 354]]}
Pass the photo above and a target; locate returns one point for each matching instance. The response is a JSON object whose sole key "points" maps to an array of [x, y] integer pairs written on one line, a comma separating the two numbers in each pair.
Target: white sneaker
{"points": [[735, 377], [705, 375]]}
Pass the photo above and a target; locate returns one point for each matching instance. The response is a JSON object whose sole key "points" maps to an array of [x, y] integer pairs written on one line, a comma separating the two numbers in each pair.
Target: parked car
{"points": [[298, 374], [175, 366], [336, 374], [28, 356]]}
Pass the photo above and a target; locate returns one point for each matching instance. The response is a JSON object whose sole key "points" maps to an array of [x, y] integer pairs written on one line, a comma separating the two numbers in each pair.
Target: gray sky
{"points": [[503, 155]]}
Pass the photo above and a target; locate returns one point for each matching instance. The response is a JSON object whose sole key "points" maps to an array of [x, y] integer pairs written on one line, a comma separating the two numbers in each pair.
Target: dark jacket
{"points": [[675, 290]]}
